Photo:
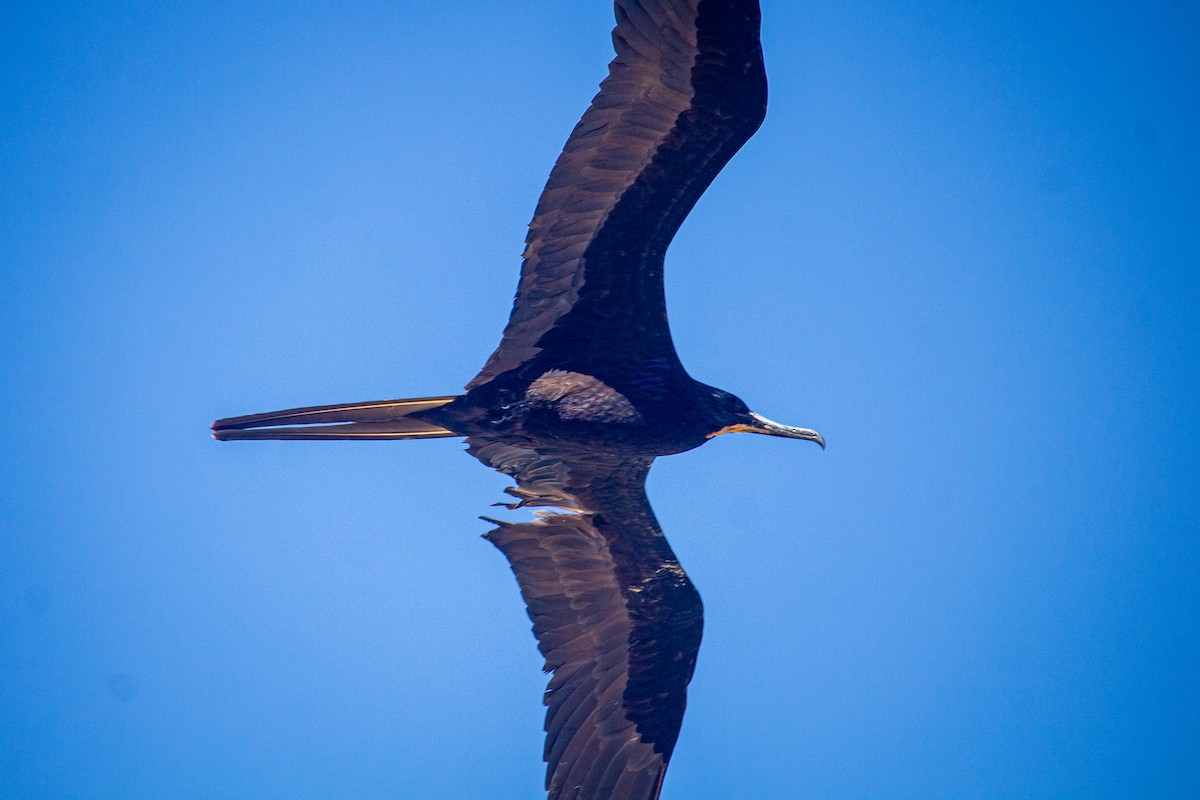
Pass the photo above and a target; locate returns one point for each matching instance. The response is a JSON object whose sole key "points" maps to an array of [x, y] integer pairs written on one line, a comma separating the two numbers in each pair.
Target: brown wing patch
{"points": [[575, 396]]}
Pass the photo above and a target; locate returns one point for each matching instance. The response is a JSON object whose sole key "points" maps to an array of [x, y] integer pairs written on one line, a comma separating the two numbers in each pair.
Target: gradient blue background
{"points": [[964, 246]]}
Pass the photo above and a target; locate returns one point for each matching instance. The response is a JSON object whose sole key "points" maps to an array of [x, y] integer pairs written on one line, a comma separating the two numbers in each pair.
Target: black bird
{"points": [[586, 390]]}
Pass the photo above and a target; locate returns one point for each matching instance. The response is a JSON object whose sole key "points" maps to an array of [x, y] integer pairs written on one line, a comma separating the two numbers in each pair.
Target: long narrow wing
{"points": [[614, 614], [684, 93]]}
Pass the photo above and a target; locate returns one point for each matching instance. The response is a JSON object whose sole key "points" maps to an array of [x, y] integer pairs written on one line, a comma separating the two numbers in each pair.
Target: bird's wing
{"points": [[614, 614], [686, 90]]}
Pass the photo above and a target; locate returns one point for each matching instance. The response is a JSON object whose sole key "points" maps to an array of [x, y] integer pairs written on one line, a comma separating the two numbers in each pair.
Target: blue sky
{"points": [[964, 247]]}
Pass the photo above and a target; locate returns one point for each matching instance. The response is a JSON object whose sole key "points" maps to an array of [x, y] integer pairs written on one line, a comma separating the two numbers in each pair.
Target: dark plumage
{"points": [[586, 390]]}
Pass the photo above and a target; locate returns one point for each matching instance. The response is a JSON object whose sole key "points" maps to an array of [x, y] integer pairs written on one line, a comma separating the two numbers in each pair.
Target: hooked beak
{"points": [[760, 424]]}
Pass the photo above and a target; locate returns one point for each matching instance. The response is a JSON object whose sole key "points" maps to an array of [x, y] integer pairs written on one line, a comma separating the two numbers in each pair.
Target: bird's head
{"points": [[730, 415]]}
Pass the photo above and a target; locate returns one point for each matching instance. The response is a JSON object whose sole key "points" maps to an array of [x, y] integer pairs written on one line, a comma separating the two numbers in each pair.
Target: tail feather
{"points": [[380, 419]]}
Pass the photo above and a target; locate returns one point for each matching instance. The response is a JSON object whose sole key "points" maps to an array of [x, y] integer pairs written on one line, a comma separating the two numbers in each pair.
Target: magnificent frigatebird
{"points": [[586, 390]]}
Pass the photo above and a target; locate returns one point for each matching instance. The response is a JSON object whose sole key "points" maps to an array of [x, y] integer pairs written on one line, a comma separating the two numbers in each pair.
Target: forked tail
{"points": [[380, 419]]}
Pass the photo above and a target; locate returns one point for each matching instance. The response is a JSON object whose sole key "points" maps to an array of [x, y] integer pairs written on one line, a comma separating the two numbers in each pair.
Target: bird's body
{"points": [[586, 390], [583, 409]]}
